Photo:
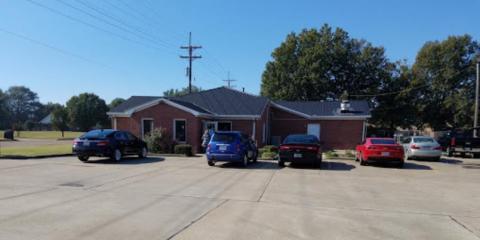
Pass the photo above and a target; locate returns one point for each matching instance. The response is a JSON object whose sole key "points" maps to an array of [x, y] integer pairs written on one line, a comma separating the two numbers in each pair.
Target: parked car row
{"points": [[235, 146]]}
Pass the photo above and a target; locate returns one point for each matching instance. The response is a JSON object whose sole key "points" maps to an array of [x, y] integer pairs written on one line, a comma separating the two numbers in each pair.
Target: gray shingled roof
{"points": [[226, 101], [133, 101], [326, 108], [219, 101]]}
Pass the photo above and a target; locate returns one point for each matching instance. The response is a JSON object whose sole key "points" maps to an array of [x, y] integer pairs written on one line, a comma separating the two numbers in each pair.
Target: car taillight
{"points": [[209, 146], [75, 141], [102, 143], [453, 142], [284, 148], [414, 147]]}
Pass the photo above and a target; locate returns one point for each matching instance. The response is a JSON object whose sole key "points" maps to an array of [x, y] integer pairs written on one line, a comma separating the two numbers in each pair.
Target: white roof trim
{"points": [[245, 117], [152, 103], [291, 110]]}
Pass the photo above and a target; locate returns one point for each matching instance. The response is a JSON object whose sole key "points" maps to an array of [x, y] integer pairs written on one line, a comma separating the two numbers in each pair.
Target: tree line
{"points": [[436, 91], [20, 109]]}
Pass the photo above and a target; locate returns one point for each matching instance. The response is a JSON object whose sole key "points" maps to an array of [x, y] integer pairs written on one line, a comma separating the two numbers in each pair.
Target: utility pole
{"points": [[477, 86], [190, 58], [229, 81]]}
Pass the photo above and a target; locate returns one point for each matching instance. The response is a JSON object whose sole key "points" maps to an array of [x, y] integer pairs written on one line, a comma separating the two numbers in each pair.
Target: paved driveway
{"points": [[183, 198]]}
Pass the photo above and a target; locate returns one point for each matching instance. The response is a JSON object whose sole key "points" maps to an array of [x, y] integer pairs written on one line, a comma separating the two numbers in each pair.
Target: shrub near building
{"points": [[159, 141]]}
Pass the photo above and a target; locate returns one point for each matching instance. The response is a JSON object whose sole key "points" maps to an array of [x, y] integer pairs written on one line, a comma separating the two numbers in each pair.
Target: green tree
{"points": [[444, 82], [184, 91], [394, 104], [115, 102], [86, 111], [22, 103], [60, 119], [317, 64]]}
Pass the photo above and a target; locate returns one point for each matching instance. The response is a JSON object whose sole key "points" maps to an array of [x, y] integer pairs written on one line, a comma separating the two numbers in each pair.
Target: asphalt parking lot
{"points": [[183, 198]]}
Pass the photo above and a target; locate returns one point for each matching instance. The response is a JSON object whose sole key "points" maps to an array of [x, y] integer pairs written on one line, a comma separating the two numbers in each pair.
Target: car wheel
{"points": [[281, 163], [255, 158], [211, 163], [362, 162], [143, 153], [356, 156], [400, 164], [319, 163], [117, 155], [449, 152], [83, 158], [245, 160], [476, 155]]}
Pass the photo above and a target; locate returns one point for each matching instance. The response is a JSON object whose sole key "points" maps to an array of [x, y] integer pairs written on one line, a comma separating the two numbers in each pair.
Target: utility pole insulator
{"points": [[190, 58]]}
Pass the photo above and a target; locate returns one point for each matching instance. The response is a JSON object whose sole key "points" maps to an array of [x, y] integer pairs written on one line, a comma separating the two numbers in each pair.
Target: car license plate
{"points": [[86, 143], [297, 155], [222, 147], [385, 154]]}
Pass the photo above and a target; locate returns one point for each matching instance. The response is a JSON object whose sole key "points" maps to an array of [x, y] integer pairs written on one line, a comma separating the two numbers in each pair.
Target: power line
{"points": [[190, 58], [229, 81], [390, 93], [91, 25]]}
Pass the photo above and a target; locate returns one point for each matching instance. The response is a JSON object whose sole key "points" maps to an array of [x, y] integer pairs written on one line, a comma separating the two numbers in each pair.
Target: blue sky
{"points": [[58, 58]]}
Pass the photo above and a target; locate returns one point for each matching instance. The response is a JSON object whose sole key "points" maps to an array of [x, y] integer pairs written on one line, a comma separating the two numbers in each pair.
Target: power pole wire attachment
{"points": [[190, 58]]}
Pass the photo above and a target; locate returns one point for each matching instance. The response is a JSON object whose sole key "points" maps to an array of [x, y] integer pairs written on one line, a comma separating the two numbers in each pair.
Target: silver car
{"points": [[422, 147]]}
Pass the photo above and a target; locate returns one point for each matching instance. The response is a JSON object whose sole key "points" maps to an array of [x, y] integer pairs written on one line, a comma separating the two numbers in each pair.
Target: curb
{"points": [[19, 157]]}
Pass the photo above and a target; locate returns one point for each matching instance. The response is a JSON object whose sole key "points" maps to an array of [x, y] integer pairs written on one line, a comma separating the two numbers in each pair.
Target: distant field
{"points": [[36, 151], [44, 134]]}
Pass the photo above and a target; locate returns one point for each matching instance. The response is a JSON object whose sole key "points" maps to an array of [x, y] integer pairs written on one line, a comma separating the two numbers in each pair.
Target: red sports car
{"points": [[380, 150]]}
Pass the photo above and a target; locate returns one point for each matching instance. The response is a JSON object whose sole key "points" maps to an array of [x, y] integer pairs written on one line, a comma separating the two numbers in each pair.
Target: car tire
{"points": [[211, 163], [362, 162], [281, 163], [356, 156], [143, 153], [116, 155], [83, 158], [449, 152], [245, 160], [436, 159], [255, 158], [400, 164], [319, 163], [476, 155]]}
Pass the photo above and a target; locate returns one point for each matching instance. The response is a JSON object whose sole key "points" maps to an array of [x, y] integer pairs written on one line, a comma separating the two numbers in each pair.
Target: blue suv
{"points": [[231, 146]]}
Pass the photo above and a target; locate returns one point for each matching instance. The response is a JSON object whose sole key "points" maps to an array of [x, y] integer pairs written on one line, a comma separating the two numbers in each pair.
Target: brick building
{"points": [[268, 122]]}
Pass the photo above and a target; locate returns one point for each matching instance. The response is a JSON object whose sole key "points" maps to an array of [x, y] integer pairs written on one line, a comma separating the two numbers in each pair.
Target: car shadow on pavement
{"points": [[127, 161], [407, 166], [269, 165], [471, 165], [442, 160]]}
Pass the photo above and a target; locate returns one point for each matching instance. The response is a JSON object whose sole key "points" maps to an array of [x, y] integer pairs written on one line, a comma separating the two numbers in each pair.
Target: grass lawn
{"points": [[36, 151], [44, 134]]}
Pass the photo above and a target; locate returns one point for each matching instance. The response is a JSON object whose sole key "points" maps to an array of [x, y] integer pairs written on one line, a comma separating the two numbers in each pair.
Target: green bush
{"points": [[349, 154], [269, 155], [331, 154], [184, 149], [267, 148], [159, 141]]}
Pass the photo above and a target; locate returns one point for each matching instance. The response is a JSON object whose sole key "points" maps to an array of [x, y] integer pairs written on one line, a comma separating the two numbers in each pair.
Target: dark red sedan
{"points": [[300, 148], [380, 150]]}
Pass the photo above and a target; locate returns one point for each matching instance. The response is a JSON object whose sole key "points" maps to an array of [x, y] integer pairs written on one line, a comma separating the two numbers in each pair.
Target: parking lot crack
{"points": [[266, 186], [463, 226], [197, 219]]}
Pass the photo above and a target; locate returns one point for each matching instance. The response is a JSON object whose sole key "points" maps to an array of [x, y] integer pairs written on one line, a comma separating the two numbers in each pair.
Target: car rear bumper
{"points": [[98, 152], [224, 157], [306, 157], [425, 153]]}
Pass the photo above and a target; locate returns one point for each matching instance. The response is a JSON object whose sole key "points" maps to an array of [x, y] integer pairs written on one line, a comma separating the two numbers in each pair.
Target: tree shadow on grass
{"points": [[126, 161]]}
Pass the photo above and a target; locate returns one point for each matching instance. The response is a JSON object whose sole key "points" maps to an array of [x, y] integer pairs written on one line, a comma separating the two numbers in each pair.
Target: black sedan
{"points": [[108, 143], [300, 149]]}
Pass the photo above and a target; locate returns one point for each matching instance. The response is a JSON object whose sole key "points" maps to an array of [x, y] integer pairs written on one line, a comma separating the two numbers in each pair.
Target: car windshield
{"points": [[382, 141], [301, 139], [224, 137], [423, 140], [96, 134]]}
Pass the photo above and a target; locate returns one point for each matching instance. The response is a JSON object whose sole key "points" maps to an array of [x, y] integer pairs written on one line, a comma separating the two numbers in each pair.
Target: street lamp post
{"points": [[475, 123]]}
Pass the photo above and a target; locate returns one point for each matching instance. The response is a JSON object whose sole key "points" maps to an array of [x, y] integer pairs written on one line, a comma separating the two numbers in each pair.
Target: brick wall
{"points": [[336, 134]]}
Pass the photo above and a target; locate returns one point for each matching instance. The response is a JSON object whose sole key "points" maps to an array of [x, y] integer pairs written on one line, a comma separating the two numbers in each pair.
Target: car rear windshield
{"points": [[96, 134], [224, 137], [423, 140], [382, 141], [300, 139]]}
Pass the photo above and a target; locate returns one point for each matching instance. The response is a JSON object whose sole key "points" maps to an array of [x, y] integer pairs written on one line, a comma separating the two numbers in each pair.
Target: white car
{"points": [[422, 147]]}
